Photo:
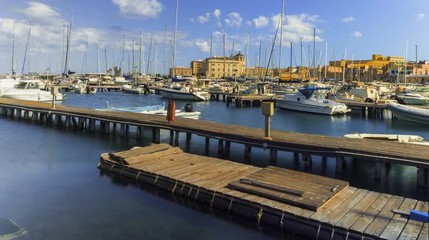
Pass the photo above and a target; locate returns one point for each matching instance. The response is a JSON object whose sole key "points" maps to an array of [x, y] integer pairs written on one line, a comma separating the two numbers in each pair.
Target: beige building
{"points": [[224, 67], [181, 71]]}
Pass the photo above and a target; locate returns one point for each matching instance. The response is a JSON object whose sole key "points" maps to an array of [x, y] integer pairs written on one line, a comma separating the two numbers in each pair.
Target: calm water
{"points": [[51, 186]]}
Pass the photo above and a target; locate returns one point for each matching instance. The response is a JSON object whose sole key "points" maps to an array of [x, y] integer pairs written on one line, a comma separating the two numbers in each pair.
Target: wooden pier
{"points": [[303, 146], [314, 206]]}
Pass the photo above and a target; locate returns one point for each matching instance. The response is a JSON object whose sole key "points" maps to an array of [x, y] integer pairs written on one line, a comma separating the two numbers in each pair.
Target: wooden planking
{"points": [[395, 226], [378, 225], [336, 201], [371, 213], [340, 211], [354, 214], [413, 228]]}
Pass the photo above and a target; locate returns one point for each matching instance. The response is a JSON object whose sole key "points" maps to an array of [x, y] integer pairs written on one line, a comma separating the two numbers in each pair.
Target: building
{"points": [[197, 68], [224, 67], [181, 71]]}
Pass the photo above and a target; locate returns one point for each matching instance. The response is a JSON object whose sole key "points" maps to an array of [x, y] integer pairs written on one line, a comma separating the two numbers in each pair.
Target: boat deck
{"points": [[316, 206]]}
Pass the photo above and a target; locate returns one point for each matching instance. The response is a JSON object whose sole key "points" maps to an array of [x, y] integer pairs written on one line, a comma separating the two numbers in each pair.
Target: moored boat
{"points": [[159, 109], [312, 99], [408, 113], [30, 90], [184, 93], [414, 139]]}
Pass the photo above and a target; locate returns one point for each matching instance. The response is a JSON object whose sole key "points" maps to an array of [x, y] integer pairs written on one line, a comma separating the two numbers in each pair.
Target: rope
{"points": [[259, 215], [156, 179], [196, 194], [213, 198], [138, 175], [174, 188], [111, 167], [230, 204], [181, 189], [190, 190], [281, 220], [332, 233], [318, 231]]}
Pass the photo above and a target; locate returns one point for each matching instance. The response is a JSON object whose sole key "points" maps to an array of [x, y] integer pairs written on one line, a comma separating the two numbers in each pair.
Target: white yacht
{"points": [[160, 109], [30, 90], [312, 99], [414, 139]]}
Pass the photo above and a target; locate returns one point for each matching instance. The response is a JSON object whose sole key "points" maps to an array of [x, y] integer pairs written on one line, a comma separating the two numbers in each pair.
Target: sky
{"points": [[107, 33]]}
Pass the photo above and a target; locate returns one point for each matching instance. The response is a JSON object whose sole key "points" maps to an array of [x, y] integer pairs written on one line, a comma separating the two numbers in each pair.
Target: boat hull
{"points": [[307, 106], [408, 113], [182, 95]]}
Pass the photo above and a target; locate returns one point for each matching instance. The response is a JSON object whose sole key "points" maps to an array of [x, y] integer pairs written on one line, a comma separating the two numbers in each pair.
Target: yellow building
{"points": [[224, 67], [181, 71]]}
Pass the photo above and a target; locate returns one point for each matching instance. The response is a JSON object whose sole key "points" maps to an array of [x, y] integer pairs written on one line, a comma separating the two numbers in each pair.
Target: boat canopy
{"points": [[308, 91]]}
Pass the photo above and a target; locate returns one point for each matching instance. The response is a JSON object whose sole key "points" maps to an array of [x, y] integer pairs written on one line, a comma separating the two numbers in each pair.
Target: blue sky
{"points": [[356, 27]]}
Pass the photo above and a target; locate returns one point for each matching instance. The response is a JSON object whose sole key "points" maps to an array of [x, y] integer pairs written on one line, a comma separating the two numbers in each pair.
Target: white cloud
{"points": [[234, 20], [203, 45], [420, 16], [41, 13], [204, 19], [296, 27], [357, 34], [144, 8], [348, 19], [260, 21], [217, 13]]}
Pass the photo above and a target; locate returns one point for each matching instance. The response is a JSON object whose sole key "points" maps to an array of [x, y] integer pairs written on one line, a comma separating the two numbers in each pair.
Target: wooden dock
{"points": [[314, 206], [303, 146]]}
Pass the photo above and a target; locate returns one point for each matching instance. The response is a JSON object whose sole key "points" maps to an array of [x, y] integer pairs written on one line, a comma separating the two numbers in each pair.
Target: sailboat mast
{"points": [[174, 39], [13, 48], [140, 53], [26, 49], [281, 36]]}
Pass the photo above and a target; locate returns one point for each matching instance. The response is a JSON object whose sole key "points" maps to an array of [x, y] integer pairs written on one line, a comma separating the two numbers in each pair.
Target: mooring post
{"points": [[188, 137], [176, 139], [220, 148], [339, 164], [171, 137], [156, 135], [207, 145], [422, 175], [226, 151], [296, 156], [307, 160], [273, 156], [247, 152], [139, 132], [378, 170], [122, 130]]}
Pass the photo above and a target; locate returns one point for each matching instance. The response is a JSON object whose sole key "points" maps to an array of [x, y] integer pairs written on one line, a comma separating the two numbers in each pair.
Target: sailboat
{"points": [[187, 91]]}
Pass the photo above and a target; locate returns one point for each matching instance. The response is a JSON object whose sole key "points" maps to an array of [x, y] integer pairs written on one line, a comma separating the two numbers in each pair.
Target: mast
{"points": [[165, 49], [140, 53], [174, 39], [26, 49], [344, 67], [224, 56], [291, 54], [13, 47], [314, 52], [326, 59], [281, 37], [148, 56]]}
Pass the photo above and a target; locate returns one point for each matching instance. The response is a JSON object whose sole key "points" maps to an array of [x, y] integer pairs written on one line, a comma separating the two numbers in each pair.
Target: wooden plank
{"points": [[413, 228], [333, 203], [371, 213], [378, 225], [397, 223], [343, 209], [274, 195], [353, 215]]}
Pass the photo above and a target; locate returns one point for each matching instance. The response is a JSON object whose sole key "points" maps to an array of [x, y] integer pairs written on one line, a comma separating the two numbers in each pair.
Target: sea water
{"points": [[50, 184]]}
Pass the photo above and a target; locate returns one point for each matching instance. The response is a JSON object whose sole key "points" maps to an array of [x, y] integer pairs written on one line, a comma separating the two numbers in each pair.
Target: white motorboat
{"points": [[156, 109], [413, 99], [30, 90], [414, 139], [128, 88], [312, 99], [409, 113], [185, 93], [82, 87]]}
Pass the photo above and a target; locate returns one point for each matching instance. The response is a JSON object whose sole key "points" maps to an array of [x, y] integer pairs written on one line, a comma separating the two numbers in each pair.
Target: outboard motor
{"points": [[188, 107]]}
